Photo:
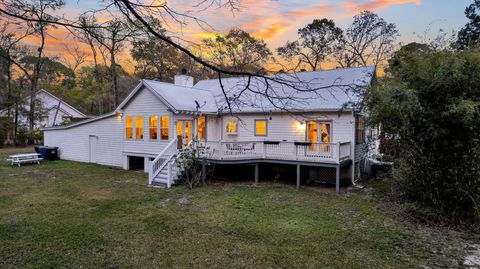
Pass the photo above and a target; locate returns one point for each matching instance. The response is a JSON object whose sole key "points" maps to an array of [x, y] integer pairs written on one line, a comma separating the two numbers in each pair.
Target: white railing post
{"points": [[150, 179], [350, 150], [220, 149], [338, 151], [264, 150], [169, 175], [296, 151]]}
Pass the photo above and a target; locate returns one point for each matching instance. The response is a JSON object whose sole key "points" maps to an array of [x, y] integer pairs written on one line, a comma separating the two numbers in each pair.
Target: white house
{"points": [[307, 119], [54, 110]]}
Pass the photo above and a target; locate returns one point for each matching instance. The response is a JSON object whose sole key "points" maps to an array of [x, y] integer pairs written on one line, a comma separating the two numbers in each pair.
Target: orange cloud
{"points": [[373, 5], [273, 21], [271, 26]]}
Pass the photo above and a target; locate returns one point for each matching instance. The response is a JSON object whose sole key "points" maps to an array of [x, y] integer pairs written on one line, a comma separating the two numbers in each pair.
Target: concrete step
{"points": [[159, 184]]}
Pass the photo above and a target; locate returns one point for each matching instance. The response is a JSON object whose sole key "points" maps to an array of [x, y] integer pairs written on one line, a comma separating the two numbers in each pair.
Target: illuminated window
{"points": [[231, 127], [164, 127], [325, 136], [201, 128], [154, 127], [129, 127], [325, 132], [261, 127], [139, 127], [360, 130]]}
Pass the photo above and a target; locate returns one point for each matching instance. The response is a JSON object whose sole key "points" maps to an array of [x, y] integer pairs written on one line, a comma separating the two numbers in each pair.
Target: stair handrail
{"points": [[152, 173], [173, 161]]}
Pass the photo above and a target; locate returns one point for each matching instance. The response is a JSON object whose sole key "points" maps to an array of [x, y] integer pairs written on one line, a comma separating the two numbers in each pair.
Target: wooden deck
{"points": [[332, 153]]}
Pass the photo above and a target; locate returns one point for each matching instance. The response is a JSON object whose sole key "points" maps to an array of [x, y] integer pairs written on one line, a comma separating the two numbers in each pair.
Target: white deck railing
{"points": [[294, 151], [162, 159]]}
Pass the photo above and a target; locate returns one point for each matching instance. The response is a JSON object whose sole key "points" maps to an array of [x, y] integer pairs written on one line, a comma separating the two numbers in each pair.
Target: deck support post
{"points": [[204, 173], [337, 181], [298, 176], [256, 173]]}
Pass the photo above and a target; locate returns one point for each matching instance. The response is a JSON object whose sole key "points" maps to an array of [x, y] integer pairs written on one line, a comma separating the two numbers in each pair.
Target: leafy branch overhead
{"points": [[236, 53]]}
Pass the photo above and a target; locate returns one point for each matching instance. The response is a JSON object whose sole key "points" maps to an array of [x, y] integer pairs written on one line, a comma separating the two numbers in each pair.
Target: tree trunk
{"points": [[15, 125], [33, 87], [113, 70], [9, 90], [31, 112]]}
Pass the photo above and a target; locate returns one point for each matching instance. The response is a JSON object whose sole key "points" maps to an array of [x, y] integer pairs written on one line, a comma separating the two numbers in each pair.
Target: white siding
{"points": [[49, 102], [283, 126], [74, 142], [49, 109], [51, 117], [214, 128], [145, 104], [112, 147]]}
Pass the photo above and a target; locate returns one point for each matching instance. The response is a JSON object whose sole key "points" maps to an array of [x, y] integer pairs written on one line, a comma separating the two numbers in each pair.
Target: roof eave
{"points": [[76, 124]]}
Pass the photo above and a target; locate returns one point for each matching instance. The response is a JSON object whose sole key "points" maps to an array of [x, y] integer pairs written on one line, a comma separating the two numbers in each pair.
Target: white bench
{"points": [[24, 158]]}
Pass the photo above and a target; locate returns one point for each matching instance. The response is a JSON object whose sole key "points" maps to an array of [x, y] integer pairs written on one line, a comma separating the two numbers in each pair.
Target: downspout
{"points": [[221, 126], [353, 148]]}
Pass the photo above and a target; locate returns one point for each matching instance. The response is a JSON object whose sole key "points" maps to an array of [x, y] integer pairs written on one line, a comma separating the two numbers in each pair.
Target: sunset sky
{"points": [[277, 21]]}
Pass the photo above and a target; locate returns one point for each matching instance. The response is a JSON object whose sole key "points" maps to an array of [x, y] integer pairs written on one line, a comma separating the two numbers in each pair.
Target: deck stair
{"points": [[168, 176], [163, 170]]}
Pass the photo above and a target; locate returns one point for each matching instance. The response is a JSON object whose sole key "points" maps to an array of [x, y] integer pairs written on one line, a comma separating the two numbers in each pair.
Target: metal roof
{"points": [[305, 91]]}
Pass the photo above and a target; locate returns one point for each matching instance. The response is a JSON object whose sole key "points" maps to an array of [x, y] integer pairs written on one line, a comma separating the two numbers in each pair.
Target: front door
{"points": [[312, 135], [184, 132], [92, 141]]}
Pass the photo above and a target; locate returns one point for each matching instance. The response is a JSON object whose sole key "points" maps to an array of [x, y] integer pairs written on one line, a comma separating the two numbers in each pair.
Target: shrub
{"points": [[4, 128], [38, 135], [431, 106], [190, 162], [22, 136], [2, 138]]}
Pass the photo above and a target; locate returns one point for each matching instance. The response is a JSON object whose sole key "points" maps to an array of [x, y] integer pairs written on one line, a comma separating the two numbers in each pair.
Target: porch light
{"points": [[119, 115], [300, 126]]}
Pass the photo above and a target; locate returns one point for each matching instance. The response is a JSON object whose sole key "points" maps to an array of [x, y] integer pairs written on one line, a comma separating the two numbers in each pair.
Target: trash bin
{"points": [[51, 153], [42, 150]]}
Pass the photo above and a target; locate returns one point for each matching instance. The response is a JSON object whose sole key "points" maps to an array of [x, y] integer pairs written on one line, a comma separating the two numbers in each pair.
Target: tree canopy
{"points": [[369, 40], [430, 104], [470, 34], [237, 50], [317, 41]]}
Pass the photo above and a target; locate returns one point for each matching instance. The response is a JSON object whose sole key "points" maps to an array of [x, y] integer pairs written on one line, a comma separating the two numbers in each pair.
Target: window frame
{"points": [[358, 129], [255, 127], [236, 127], [330, 130], [204, 127], [164, 127], [150, 128], [132, 127], [143, 125]]}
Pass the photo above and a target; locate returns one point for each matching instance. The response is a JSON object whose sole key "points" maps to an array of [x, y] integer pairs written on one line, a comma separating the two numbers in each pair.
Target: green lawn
{"points": [[67, 214]]}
